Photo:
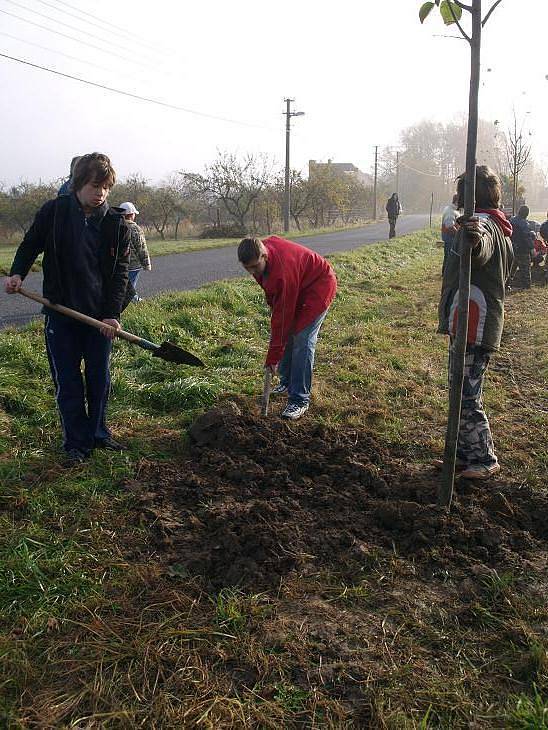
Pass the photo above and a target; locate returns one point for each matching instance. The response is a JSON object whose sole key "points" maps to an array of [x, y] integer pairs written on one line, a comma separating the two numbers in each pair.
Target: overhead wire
{"points": [[78, 30], [59, 53], [137, 96], [72, 38], [108, 23]]}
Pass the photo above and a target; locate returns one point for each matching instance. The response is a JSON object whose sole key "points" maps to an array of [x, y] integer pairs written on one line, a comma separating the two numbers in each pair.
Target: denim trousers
{"points": [[475, 443], [133, 276], [68, 343], [447, 239], [295, 368]]}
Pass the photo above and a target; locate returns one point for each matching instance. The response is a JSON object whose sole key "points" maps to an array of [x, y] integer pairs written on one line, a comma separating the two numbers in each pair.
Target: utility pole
{"points": [[375, 183], [287, 191], [398, 172]]}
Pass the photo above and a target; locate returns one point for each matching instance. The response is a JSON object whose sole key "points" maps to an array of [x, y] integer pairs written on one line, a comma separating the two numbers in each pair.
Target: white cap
{"points": [[129, 208]]}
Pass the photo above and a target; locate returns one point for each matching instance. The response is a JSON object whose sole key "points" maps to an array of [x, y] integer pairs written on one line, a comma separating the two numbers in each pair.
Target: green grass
{"points": [[90, 638]]}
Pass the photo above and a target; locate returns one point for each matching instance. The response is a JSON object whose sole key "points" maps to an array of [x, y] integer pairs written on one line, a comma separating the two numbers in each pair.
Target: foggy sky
{"points": [[360, 71]]}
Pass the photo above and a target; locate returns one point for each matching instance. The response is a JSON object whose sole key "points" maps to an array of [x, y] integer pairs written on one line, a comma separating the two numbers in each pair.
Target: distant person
{"points": [[299, 286], [139, 257], [86, 255], [66, 187], [523, 241], [543, 230], [487, 234], [393, 209], [449, 227]]}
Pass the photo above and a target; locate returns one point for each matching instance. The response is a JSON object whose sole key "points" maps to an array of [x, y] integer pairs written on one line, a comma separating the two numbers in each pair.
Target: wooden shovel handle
{"points": [[79, 316], [266, 391]]}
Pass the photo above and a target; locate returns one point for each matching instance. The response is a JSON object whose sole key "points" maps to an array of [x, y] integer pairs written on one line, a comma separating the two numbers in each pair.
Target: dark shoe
{"points": [[110, 444], [279, 389], [73, 457]]}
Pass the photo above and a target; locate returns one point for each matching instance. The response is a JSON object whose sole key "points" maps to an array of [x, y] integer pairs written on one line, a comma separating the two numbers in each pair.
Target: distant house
{"points": [[340, 168]]}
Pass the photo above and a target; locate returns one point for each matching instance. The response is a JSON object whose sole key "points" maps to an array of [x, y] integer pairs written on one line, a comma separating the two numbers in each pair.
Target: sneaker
{"points": [[279, 389], [110, 444], [480, 471], [294, 411], [73, 457]]}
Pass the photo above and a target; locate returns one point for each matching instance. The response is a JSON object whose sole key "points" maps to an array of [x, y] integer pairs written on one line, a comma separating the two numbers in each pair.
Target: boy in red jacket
{"points": [[299, 286]]}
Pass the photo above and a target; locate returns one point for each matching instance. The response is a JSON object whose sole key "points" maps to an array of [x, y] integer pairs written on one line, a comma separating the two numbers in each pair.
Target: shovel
{"points": [[266, 391], [167, 350]]}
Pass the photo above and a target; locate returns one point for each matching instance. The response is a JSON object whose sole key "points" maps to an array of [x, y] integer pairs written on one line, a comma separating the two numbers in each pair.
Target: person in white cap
{"points": [[139, 256]]}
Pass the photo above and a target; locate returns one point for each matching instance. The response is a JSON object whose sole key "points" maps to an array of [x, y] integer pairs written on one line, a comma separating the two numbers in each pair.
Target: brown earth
{"points": [[256, 500]]}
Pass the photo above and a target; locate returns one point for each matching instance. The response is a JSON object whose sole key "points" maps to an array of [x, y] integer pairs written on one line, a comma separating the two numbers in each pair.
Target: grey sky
{"points": [[360, 71]]}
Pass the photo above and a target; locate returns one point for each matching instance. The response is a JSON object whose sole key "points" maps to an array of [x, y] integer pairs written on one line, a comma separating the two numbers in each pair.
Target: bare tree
{"points": [[235, 183], [518, 152]]}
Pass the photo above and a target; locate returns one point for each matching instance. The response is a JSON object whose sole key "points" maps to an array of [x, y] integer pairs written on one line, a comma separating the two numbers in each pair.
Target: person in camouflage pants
{"points": [[487, 235], [475, 443]]}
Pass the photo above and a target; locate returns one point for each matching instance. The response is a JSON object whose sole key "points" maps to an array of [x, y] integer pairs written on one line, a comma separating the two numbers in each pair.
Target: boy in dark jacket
{"points": [[299, 286], [85, 265], [488, 234], [523, 239]]}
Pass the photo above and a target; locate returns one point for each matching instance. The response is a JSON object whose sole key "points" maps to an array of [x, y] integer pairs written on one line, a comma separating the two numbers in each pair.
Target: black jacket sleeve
{"points": [[116, 286], [34, 242]]}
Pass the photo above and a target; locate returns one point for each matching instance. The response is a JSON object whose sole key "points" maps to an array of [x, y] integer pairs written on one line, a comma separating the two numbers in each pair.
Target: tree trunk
{"points": [[445, 494]]}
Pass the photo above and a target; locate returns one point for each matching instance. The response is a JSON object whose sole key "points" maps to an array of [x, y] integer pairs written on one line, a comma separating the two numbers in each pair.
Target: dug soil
{"points": [[256, 500]]}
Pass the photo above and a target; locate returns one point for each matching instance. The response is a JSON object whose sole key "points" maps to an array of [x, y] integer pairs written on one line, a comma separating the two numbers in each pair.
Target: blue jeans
{"points": [[296, 365], [447, 239], [68, 343], [133, 275]]}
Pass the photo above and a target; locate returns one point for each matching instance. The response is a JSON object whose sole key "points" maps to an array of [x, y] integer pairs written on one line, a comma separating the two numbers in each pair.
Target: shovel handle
{"points": [[266, 391], [79, 316]]}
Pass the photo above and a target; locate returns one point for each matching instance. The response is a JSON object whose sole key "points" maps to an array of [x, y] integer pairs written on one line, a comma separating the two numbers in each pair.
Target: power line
{"points": [[135, 96], [60, 53], [420, 172], [71, 27], [118, 28]]}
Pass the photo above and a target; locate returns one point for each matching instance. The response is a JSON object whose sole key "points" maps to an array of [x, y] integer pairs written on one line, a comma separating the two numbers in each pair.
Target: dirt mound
{"points": [[262, 497]]}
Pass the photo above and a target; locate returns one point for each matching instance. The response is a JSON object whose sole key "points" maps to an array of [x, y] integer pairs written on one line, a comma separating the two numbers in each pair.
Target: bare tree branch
{"points": [[463, 6], [490, 11], [459, 26]]}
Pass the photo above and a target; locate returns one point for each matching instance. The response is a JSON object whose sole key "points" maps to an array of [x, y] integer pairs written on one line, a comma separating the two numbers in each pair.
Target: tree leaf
{"points": [[447, 15], [425, 9]]}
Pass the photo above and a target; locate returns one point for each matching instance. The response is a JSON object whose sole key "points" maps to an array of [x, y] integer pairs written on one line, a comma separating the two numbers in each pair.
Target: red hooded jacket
{"points": [[299, 285]]}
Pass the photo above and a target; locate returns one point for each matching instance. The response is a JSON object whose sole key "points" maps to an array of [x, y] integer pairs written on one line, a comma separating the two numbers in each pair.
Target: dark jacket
{"points": [[46, 235], [522, 236], [491, 264], [393, 207]]}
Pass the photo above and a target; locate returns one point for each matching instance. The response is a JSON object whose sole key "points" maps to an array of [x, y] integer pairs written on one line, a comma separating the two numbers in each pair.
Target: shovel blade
{"points": [[173, 353]]}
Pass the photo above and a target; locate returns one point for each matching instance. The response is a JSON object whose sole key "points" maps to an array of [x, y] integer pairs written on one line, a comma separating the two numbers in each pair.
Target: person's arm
{"points": [[33, 243], [283, 304], [144, 257], [116, 286]]}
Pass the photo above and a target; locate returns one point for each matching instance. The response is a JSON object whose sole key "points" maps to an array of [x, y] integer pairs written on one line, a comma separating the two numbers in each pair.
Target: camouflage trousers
{"points": [[475, 443]]}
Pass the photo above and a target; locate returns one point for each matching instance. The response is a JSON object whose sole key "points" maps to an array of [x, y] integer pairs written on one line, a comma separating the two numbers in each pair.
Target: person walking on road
{"points": [[487, 234], [85, 265], [299, 285], [139, 257], [393, 209], [523, 241]]}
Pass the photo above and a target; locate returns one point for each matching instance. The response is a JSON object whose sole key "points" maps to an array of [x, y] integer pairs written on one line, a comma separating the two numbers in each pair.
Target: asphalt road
{"points": [[183, 271]]}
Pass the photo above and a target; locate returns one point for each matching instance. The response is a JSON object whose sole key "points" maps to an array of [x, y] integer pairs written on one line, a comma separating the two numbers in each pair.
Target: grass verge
{"points": [[93, 636]]}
